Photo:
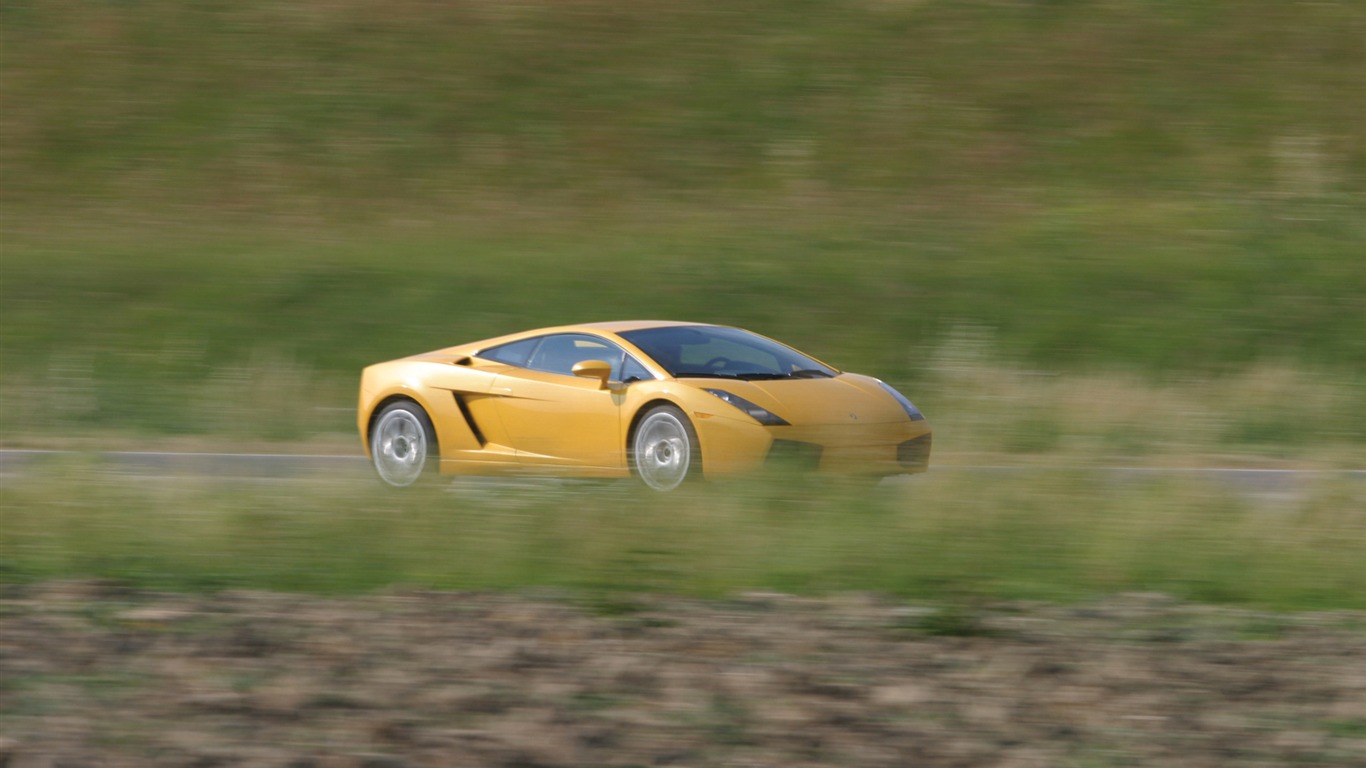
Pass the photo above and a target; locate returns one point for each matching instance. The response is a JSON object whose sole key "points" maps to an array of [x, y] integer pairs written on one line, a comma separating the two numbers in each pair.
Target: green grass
{"points": [[1074, 232], [212, 214], [251, 340], [298, 107], [954, 537]]}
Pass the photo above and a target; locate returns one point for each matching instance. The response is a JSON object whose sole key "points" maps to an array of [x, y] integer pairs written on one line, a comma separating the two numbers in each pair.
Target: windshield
{"points": [[723, 353]]}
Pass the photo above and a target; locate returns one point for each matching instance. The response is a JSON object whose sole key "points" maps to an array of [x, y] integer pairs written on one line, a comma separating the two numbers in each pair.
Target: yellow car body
{"points": [[567, 409]]}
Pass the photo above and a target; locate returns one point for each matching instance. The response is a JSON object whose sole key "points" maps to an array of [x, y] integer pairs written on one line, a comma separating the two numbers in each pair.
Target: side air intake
{"points": [[469, 419], [915, 453]]}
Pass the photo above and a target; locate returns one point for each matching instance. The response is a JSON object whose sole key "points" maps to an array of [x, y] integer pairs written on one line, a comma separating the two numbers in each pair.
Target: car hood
{"points": [[845, 399]]}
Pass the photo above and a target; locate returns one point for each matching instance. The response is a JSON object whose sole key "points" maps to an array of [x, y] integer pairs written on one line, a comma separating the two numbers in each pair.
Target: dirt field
{"points": [[92, 674]]}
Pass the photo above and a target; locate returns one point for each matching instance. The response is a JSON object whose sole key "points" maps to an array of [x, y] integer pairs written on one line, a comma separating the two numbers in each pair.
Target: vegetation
{"points": [[1134, 110], [211, 192], [1097, 231], [961, 536]]}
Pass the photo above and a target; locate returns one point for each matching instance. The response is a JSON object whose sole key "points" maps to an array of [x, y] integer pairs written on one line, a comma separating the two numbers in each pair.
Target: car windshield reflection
{"points": [[714, 352]]}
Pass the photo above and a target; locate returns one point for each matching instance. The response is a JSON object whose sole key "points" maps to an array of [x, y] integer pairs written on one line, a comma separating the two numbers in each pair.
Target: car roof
{"points": [[618, 326], [612, 327]]}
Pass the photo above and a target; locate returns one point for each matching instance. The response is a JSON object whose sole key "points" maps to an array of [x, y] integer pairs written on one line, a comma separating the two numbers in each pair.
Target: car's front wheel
{"points": [[664, 449], [401, 444]]}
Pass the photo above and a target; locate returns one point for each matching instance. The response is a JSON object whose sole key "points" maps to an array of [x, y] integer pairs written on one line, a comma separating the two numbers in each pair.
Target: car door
{"points": [[553, 417]]}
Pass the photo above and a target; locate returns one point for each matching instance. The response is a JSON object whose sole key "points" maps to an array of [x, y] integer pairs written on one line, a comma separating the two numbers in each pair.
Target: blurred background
{"points": [[1075, 233], [215, 213]]}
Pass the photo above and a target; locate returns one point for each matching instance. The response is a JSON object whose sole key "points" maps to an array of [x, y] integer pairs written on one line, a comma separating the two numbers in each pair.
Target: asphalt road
{"points": [[168, 464], [14, 462]]}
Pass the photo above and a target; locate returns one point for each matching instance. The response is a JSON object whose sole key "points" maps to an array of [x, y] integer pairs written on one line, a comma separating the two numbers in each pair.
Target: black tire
{"points": [[664, 448], [403, 444]]}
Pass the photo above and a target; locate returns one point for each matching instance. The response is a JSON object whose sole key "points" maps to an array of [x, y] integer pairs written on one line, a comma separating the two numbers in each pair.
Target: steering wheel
{"points": [[718, 362]]}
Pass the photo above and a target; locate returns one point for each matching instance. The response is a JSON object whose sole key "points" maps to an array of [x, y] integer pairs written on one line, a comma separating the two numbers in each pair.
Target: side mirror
{"points": [[593, 369]]}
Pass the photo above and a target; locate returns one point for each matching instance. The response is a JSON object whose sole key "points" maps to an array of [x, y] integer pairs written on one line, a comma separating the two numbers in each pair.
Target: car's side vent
{"points": [[469, 419], [915, 453]]}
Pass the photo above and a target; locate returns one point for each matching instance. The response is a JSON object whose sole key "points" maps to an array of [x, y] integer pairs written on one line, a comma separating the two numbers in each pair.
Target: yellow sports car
{"points": [[664, 401]]}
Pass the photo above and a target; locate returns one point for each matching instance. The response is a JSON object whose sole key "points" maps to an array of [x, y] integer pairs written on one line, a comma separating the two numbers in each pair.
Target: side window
{"points": [[632, 370], [512, 353], [559, 353]]}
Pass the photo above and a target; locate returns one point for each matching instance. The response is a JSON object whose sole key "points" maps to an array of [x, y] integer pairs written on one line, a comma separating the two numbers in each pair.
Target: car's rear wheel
{"points": [[664, 449], [403, 444]]}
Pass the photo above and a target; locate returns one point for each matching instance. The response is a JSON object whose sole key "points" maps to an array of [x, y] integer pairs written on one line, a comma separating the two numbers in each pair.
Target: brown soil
{"points": [[92, 674]]}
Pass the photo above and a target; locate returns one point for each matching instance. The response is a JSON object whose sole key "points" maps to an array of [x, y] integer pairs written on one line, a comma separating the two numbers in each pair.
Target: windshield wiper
{"points": [[805, 373], [704, 375]]}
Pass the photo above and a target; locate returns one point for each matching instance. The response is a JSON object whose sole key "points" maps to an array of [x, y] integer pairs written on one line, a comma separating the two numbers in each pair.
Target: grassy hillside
{"points": [[206, 197], [305, 106]]}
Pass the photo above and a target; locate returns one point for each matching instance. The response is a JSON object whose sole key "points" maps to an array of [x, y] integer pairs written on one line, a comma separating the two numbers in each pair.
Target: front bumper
{"points": [[893, 448]]}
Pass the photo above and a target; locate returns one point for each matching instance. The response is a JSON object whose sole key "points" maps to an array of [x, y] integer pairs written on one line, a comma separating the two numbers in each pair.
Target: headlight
{"points": [[911, 410], [761, 415]]}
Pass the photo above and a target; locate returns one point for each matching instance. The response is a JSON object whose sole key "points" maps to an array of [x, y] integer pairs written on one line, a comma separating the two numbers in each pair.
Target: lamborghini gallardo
{"points": [[663, 401]]}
